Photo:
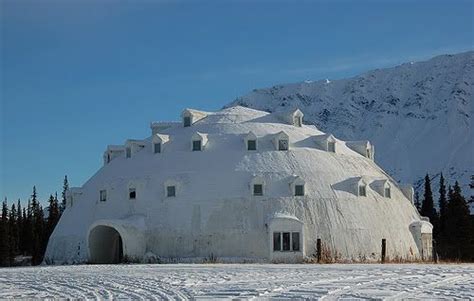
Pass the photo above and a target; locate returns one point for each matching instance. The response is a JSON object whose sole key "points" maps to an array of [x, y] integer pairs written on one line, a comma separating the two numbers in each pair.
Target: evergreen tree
{"points": [[63, 194], [427, 207], [4, 238], [458, 227], [53, 214], [13, 233], [442, 203], [19, 223]]}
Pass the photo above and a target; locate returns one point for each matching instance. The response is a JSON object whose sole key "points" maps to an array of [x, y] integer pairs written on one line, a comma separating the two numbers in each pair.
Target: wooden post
{"points": [[384, 249], [318, 249]]}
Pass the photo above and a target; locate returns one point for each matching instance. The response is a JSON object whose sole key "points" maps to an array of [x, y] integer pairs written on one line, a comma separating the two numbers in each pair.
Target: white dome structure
{"points": [[238, 185]]}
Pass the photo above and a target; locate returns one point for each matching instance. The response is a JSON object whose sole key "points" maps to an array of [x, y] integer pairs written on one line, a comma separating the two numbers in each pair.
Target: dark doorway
{"points": [[105, 245]]}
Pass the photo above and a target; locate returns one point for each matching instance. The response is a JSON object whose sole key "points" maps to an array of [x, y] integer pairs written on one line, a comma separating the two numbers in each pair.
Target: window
{"points": [[103, 195], [297, 121], [108, 157], [132, 193], [283, 145], [286, 241], [258, 189], [157, 148], [128, 152], [331, 147], [170, 191], [196, 145], [387, 192], [362, 190], [295, 241], [187, 121], [299, 190], [276, 241], [368, 153], [252, 145]]}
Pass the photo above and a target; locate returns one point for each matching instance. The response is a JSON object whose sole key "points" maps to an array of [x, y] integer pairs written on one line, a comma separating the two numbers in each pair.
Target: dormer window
{"points": [[283, 145], [103, 195], [157, 148], [257, 189], [171, 191], [128, 152], [298, 186], [197, 145], [281, 141], [252, 145], [362, 189], [331, 146], [299, 190], [388, 192], [132, 193], [198, 142], [187, 121]]}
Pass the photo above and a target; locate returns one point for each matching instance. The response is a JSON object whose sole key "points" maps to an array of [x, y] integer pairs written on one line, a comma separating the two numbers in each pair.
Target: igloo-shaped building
{"points": [[238, 185]]}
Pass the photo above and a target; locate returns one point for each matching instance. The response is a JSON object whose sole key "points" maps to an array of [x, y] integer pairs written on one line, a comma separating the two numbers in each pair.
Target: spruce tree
{"points": [[13, 233], [63, 194], [427, 208], [4, 237], [417, 201], [442, 203], [53, 214], [458, 227], [19, 223]]}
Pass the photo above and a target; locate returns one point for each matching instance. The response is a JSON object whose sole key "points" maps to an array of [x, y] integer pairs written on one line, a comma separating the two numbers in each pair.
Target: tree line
{"points": [[453, 225], [25, 231]]}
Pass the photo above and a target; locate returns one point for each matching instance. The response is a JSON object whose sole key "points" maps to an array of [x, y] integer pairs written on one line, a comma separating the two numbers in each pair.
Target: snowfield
{"points": [[205, 281]]}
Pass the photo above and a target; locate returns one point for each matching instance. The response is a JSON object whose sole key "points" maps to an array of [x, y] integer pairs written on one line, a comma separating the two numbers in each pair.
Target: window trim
{"points": [[331, 147], [291, 244], [389, 190]]}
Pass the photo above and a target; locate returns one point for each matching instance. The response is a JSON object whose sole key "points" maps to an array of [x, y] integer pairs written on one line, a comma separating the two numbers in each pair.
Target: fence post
{"points": [[318, 250], [384, 248]]}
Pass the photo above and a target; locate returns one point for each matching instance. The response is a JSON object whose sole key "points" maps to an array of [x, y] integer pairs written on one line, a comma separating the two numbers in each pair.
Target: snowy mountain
{"points": [[419, 115]]}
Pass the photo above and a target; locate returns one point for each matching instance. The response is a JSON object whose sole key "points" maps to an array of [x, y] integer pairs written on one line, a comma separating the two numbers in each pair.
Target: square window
{"points": [[283, 145], [295, 241], [332, 147], [286, 241], [132, 193], [196, 145], [157, 148], [276, 241], [103, 195], [187, 121], [299, 190], [252, 145], [128, 151], [387, 192], [258, 189], [170, 191], [362, 190]]}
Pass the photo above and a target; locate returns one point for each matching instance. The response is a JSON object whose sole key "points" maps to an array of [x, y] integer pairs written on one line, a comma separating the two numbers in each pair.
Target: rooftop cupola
{"points": [[191, 116]]}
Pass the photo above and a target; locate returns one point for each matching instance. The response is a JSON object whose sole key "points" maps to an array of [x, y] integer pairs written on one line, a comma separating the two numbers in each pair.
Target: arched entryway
{"points": [[105, 245]]}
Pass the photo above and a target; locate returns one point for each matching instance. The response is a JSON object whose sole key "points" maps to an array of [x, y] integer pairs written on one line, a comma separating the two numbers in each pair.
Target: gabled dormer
{"points": [[297, 186], [251, 141], [158, 142], [361, 187], [383, 187], [365, 148], [281, 141], [326, 142], [112, 152], [198, 141], [133, 146], [191, 116]]}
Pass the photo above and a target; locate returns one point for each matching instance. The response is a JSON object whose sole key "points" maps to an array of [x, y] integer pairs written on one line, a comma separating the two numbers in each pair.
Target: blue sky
{"points": [[78, 75]]}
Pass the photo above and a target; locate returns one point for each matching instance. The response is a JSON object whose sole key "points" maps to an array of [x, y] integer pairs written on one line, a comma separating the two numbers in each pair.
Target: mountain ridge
{"points": [[419, 115]]}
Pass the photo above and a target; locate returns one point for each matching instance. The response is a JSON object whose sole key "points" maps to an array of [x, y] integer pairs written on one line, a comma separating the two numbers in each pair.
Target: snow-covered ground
{"points": [[193, 281]]}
